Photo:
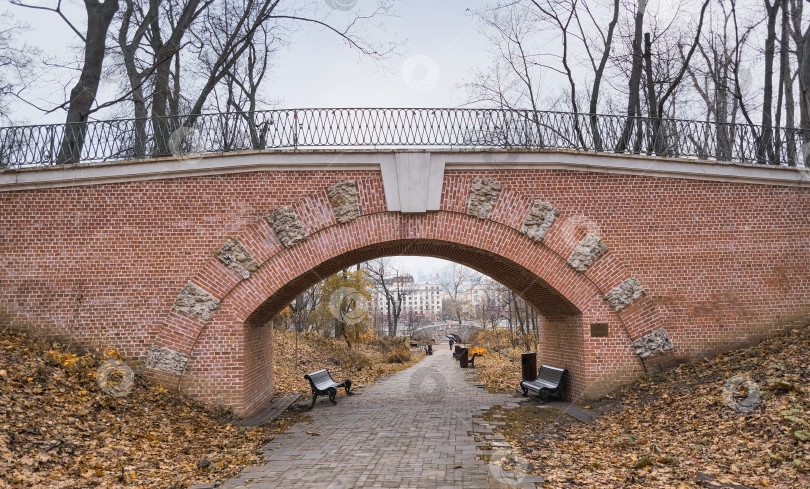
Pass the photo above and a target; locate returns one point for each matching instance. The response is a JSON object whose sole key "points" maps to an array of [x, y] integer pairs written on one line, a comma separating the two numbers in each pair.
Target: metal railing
{"points": [[129, 139]]}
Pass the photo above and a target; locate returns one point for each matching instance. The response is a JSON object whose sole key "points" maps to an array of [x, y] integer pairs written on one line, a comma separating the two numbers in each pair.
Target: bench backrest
{"points": [[320, 378], [550, 374]]}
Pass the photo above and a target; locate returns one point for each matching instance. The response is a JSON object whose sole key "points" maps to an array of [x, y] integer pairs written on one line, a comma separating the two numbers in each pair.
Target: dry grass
{"points": [[363, 363]]}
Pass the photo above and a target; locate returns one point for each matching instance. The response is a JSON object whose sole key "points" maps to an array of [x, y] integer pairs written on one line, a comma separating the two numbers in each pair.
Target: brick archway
{"points": [[216, 343]]}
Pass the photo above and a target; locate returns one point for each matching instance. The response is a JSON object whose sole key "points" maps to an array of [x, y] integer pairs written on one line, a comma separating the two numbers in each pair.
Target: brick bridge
{"points": [[633, 262], [438, 332]]}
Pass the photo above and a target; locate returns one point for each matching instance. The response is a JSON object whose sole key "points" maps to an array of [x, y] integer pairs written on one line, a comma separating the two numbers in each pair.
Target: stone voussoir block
{"points": [[287, 226], [195, 302], [166, 360], [483, 196], [345, 203], [234, 255], [653, 344], [539, 220], [590, 249], [625, 293]]}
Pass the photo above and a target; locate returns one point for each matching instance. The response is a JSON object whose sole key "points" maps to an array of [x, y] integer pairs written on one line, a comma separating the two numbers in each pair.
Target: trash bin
{"points": [[463, 359], [528, 364]]}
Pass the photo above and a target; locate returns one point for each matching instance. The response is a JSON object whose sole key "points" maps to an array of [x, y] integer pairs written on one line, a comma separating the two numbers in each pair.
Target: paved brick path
{"points": [[412, 429]]}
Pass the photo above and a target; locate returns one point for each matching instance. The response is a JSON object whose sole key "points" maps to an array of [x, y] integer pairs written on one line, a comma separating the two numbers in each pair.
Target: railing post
{"points": [[526, 143], [295, 129]]}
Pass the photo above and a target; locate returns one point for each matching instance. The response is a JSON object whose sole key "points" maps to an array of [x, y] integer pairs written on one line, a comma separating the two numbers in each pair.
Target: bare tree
{"points": [[83, 95], [659, 90], [220, 36], [243, 84], [240, 91], [226, 32], [599, 70], [15, 64], [794, 9], [302, 306], [387, 278], [134, 27], [520, 60], [456, 280], [713, 78], [634, 82], [765, 150]]}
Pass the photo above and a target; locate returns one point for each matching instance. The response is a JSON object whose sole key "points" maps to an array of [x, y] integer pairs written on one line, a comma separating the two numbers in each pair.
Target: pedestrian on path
{"points": [[451, 345]]}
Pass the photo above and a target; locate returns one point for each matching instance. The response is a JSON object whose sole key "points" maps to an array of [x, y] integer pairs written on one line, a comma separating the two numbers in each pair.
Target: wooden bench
{"points": [[550, 381], [323, 385]]}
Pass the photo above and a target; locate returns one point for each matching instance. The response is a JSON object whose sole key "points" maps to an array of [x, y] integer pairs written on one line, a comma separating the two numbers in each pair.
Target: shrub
{"points": [[400, 355], [387, 344], [354, 359]]}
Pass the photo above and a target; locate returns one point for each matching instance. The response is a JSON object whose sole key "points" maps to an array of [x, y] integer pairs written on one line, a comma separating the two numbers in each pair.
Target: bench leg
{"points": [[314, 398], [347, 386], [525, 391], [332, 394]]}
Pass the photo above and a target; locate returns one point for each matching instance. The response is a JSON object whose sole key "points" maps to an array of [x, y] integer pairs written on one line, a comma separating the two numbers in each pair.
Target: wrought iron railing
{"points": [[128, 139]]}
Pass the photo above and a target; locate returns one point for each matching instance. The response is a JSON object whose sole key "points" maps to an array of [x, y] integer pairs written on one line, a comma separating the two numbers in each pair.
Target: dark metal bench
{"points": [[550, 381], [323, 385], [471, 360]]}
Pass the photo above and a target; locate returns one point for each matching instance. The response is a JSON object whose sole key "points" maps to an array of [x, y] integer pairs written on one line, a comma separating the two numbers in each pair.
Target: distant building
{"points": [[483, 293], [420, 298]]}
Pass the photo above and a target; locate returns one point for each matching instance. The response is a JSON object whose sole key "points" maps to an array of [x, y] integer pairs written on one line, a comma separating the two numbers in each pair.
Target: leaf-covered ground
{"points": [[363, 363], [499, 372], [59, 429], [684, 428]]}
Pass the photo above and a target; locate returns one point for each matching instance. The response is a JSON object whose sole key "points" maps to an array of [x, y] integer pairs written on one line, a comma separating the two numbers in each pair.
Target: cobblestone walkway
{"points": [[412, 429]]}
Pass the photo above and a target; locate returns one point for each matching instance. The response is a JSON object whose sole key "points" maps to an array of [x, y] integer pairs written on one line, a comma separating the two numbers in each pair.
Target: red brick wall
{"points": [[722, 263], [725, 262], [103, 264]]}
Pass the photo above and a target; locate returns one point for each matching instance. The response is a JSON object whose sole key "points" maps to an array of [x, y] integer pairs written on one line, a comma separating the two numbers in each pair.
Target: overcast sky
{"points": [[443, 44]]}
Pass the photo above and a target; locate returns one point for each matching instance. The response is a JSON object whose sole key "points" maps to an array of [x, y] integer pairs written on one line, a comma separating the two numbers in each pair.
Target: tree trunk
{"points": [[804, 86], [83, 94], [517, 312], [633, 100], [597, 79], [799, 41], [652, 100], [160, 101], [136, 79], [787, 86], [765, 149], [164, 55]]}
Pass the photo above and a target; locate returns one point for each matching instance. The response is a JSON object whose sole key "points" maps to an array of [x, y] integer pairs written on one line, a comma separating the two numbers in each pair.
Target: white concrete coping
{"points": [[416, 170]]}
